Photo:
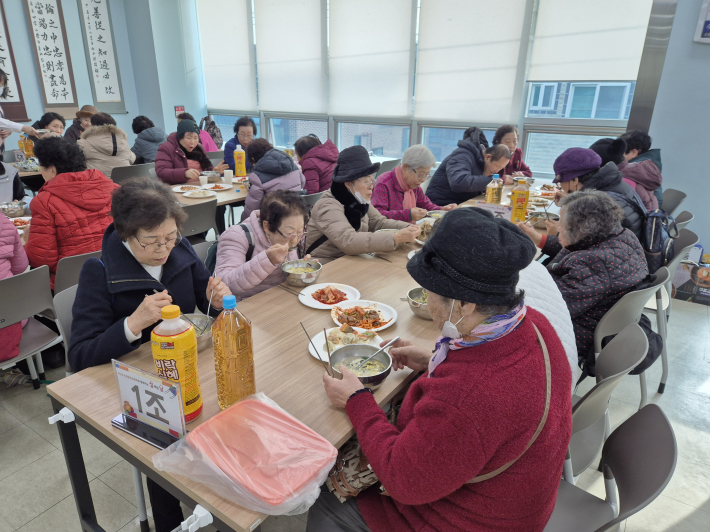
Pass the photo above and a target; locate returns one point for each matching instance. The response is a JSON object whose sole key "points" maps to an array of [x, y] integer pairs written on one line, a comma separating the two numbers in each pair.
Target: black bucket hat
{"points": [[353, 163], [473, 257]]}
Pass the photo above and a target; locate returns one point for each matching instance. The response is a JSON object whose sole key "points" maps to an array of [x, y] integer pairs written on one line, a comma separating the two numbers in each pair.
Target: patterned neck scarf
{"points": [[491, 329]]}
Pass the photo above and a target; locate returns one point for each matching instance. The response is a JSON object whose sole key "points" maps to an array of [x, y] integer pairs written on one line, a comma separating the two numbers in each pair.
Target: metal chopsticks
{"points": [[327, 370]]}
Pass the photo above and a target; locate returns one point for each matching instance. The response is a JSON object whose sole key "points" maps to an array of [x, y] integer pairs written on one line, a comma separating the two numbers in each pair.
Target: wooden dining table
{"points": [[284, 369], [234, 196]]}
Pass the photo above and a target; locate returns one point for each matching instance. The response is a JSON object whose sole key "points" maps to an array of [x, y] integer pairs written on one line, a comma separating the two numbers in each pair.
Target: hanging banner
{"points": [[13, 105], [101, 55], [52, 52]]}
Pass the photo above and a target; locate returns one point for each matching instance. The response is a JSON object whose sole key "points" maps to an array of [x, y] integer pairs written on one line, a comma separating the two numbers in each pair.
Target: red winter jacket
{"points": [[516, 164], [69, 216], [317, 165], [171, 162], [477, 413]]}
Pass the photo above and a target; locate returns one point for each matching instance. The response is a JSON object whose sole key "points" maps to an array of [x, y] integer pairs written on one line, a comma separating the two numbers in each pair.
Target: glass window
{"points": [[582, 105], [388, 142], [609, 101], [284, 132], [542, 96], [541, 149], [442, 140], [225, 123]]}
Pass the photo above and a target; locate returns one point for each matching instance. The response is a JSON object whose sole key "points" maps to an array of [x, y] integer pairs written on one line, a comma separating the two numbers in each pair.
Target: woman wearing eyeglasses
{"points": [[250, 254], [244, 133], [398, 194]]}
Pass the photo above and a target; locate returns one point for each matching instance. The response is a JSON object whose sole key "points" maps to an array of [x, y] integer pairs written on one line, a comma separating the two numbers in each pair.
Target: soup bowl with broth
{"points": [[373, 374]]}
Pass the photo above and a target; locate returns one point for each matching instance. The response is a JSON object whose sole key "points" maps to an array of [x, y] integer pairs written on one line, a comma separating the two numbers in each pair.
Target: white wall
{"points": [[681, 119]]}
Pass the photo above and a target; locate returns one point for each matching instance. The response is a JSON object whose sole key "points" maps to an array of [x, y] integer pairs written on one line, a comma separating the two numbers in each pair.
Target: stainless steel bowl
{"points": [[539, 219], [436, 214], [302, 279], [200, 321], [212, 176], [362, 350], [419, 309], [13, 209]]}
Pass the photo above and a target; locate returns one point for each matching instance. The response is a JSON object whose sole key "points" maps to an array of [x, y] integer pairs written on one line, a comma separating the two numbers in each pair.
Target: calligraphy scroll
{"points": [[101, 55], [13, 105], [52, 52]]}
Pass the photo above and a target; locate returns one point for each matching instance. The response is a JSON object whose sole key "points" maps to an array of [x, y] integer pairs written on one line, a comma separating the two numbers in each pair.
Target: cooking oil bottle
{"points": [[240, 164], [494, 190], [29, 148], [233, 354], [519, 201]]}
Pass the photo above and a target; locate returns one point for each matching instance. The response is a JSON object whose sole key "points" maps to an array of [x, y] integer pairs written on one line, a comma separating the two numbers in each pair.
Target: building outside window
{"points": [[284, 132], [541, 149], [592, 100], [380, 140], [443, 140], [542, 96]]}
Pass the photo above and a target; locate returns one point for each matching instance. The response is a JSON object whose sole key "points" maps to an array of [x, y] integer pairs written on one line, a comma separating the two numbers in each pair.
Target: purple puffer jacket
{"points": [[171, 163], [317, 165], [644, 178], [274, 171], [388, 198], [243, 278]]}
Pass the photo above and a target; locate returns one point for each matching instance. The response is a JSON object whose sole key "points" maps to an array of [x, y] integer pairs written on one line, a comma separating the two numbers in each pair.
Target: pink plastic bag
{"points": [[256, 455]]}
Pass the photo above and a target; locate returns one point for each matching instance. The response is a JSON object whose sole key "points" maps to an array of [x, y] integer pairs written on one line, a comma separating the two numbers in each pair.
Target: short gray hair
{"points": [[418, 156], [590, 214]]}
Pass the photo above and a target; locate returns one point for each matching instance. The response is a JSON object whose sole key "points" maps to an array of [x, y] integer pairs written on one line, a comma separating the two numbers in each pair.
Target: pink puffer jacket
{"points": [[13, 261], [246, 279]]}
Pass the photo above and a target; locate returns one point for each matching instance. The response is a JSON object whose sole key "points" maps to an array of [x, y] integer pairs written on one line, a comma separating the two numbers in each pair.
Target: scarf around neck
{"points": [[410, 198], [354, 210], [491, 329]]}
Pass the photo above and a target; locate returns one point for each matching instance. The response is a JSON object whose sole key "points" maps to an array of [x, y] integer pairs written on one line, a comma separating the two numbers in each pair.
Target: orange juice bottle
{"points": [[519, 201], [240, 164], [174, 347], [494, 190], [233, 354], [21, 143], [29, 148]]}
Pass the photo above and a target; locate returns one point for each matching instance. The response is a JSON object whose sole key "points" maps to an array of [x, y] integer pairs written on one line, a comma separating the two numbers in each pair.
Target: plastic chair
{"points": [[672, 199], [683, 219], [68, 270], [387, 166], [151, 173], [215, 154], [200, 218], [23, 296], [628, 310], [123, 173], [639, 459], [590, 413], [201, 249], [312, 199]]}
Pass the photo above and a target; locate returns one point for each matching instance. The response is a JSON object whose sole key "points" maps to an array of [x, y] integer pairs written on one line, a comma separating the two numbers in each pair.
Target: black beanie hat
{"points": [[473, 257], [187, 126], [610, 150], [353, 163]]}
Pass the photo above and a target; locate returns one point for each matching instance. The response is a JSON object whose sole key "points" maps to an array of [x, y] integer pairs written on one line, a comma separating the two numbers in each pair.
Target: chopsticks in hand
{"points": [[327, 370]]}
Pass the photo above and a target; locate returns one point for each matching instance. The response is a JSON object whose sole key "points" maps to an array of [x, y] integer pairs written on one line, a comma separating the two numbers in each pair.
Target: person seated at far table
{"points": [[71, 210], [599, 261], [398, 194], [479, 442], [53, 122], [465, 173], [317, 161], [105, 145], [149, 139], [81, 123], [638, 150], [274, 231], [244, 133], [508, 135], [181, 158], [13, 261], [271, 170], [207, 143]]}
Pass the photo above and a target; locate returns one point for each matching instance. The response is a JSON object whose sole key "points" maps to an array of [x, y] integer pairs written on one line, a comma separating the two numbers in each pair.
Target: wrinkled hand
{"points": [[559, 194], [449, 207], [408, 234], [530, 231], [148, 312], [406, 355], [4, 134], [518, 174], [417, 213], [221, 167], [508, 180], [553, 227], [49, 133], [192, 174], [29, 130], [339, 391], [220, 290], [277, 253]]}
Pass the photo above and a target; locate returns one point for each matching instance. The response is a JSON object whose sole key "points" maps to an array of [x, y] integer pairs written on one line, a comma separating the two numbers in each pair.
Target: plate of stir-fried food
{"points": [[340, 336], [324, 295], [364, 314]]}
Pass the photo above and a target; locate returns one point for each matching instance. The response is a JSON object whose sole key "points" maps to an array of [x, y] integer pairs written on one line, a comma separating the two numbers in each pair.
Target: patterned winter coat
{"points": [[592, 277], [388, 198]]}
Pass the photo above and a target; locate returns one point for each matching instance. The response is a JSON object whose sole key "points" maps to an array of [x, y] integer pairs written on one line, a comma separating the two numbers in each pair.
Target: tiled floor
{"points": [[36, 494]]}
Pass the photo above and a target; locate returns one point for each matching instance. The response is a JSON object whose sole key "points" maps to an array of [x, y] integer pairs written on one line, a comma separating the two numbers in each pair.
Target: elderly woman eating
{"points": [[343, 222], [481, 437], [600, 261], [398, 194]]}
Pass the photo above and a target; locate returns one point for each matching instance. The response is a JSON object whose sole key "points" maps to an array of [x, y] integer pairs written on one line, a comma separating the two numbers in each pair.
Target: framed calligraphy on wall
{"points": [[52, 52], [101, 56], [13, 104]]}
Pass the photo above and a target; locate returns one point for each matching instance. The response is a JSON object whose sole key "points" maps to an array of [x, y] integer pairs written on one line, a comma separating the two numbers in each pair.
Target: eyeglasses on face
{"points": [[245, 135], [299, 236], [156, 246]]}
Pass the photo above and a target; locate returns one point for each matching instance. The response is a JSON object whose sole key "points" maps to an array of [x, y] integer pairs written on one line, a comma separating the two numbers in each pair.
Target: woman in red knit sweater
{"points": [[479, 404]]}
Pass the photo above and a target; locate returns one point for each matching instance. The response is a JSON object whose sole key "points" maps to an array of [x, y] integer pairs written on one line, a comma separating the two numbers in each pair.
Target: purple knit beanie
{"points": [[575, 162]]}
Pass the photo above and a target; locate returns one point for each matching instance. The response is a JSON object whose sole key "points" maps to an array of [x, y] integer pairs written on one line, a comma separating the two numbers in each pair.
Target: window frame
{"points": [[599, 85], [553, 100], [268, 117]]}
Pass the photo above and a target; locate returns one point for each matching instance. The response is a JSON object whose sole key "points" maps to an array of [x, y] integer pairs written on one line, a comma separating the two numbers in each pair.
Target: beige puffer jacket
{"points": [[328, 218], [98, 146]]}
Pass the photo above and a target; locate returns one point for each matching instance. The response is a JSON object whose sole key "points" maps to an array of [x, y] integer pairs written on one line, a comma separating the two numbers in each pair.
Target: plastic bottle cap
{"points": [[239, 146], [228, 302], [496, 176], [170, 312]]}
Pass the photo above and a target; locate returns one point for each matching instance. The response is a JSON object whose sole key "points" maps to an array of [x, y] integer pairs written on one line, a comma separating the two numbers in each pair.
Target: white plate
{"points": [[211, 193], [239, 179], [28, 218], [306, 296], [319, 342], [225, 185], [179, 190], [412, 253], [543, 189], [388, 312]]}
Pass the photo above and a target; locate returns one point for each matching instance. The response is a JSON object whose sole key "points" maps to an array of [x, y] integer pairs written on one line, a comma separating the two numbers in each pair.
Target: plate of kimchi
{"points": [[323, 296], [364, 314]]}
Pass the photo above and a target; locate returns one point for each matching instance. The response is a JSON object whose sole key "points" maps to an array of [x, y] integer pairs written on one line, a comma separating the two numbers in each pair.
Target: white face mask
{"points": [[449, 329], [359, 197]]}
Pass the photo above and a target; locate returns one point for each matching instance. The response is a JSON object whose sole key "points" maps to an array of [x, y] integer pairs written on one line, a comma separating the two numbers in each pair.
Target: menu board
{"points": [[101, 55], [52, 52], [13, 106]]}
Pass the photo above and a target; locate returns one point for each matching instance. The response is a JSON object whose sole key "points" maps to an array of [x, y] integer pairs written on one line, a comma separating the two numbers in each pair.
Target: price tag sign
{"points": [[150, 399], [499, 211]]}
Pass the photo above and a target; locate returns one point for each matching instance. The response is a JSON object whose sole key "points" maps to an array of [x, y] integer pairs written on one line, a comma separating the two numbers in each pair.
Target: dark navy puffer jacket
{"points": [[592, 280], [460, 176]]}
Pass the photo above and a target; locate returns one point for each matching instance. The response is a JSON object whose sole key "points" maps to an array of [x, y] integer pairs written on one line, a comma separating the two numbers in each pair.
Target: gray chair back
{"points": [[151, 173], [63, 303], [387, 166], [69, 268], [641, 454], [8, 156], [25, 295], [683, 219], [200, 218], [312, 199], [672, 199], [216, 154], [201, 249], [627, 310], [120, 174]]}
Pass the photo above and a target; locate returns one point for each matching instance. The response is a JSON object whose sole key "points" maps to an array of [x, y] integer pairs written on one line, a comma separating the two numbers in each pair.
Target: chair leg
{"points": [[661, 323], [607, 433], [33, 373], [644, 392], [567, 472], [40, 366], [140, 496]]}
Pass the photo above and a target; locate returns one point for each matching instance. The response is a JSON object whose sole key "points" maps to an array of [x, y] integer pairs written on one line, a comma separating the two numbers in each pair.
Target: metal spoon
{"points": [[202, 331], [377, 352]]}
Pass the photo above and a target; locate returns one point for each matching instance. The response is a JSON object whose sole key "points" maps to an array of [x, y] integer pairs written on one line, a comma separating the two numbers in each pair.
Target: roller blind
{"points": [[230, 81], [290, 66], [598, 40], [369, 58], [467, 60]]}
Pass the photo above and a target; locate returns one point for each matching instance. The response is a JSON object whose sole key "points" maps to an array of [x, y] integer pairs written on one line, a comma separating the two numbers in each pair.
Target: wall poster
{"points": [[13, 104]]}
